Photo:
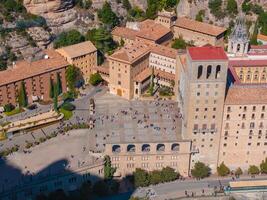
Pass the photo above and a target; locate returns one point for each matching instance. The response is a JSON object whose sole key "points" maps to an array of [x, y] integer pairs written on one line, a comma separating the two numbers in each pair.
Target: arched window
{"points": [[199, 71], [160, 147], [238, 47], [116, 148], [145, 148], [175, 147], [131, 148], [218, 71], [209, 71]]}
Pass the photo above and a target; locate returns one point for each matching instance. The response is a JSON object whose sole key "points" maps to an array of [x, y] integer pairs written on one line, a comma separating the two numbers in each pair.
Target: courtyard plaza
{"points": [[122, 121], [116, 121]]}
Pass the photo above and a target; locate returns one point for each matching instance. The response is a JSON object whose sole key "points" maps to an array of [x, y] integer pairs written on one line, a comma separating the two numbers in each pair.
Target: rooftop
{"points": [[262, 37], [125, 32], [201, 27], [207, 53], [143, 75], [164, 51], [24, 69], [130, 53], [246, 95], [248, 63], [151, 30], [77, 50]]}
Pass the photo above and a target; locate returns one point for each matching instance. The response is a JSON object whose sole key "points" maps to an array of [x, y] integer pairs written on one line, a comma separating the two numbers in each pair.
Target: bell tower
{"points": [[238, 43]]}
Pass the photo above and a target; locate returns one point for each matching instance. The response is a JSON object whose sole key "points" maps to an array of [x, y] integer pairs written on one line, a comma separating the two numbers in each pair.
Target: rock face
{"points": [[59, 14], [40, 36]]}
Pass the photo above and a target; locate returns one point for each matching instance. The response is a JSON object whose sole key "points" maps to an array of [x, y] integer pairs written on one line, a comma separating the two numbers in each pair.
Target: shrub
{"points": [[200, 170], [223, 170], [95, 79], [253, 170], [68, 106], [9, 107], [238, 171]]}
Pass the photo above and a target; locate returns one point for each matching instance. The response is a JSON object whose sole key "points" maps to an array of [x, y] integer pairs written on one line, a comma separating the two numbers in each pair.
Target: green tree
{"points": [[179, 43], [263, 166], [200, 15], [168, 174], [238, 171], [152, 8], [141, 178], [215, 7], [232, 7], [55, 99], [86, 4], [246, 6], [9, 107], [152, 84], [200, 170], [101, 188], [108, 169], [68, 38], [51, 91], [223, 170], [155, 177], [253, 170], [263, 22], [22, 98], [85, 191], [59, 84], [102, 39], [126, 4], [107, 16], [95, 79], [72, 73], [171, 3], [136, 14]]}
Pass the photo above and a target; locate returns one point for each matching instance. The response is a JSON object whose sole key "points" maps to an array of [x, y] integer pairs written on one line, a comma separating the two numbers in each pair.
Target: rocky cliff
{"points": [[59, 14]]}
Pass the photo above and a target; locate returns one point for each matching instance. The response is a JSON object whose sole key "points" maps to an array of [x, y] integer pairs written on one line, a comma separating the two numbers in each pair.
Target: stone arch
{"points": [[160, 147], [116, 148], [175, 147], [209, 71], [199, 71], [146, 148], [218, 71], [131, 148]]}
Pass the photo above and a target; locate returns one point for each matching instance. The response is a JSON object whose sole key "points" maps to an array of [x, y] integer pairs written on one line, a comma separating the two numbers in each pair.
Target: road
{"points": [[178, 188]]}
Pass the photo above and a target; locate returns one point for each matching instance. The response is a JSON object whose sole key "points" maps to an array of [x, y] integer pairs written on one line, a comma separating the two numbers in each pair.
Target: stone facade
{"points": [[150, 156]]}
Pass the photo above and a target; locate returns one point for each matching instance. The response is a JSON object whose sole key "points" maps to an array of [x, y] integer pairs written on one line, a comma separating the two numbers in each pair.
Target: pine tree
{"points": [[55, 98], [51, 92], [58, 84], [22, 96]]}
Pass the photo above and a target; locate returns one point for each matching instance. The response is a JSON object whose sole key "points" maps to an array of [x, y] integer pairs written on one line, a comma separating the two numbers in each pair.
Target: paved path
{"points": [[177, 188]]}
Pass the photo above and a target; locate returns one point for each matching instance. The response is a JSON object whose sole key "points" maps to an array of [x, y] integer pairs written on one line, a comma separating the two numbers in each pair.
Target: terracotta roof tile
{"points": [[164, 51], [246, 95], [25, 69], [143, 75], [207, 53], [125, 32], [152, 31], [262, 37], [131, 52], [163, 74], [77, 50], [197, 26]]}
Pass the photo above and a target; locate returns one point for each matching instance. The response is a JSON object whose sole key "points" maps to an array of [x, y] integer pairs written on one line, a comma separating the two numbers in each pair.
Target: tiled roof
{"points": [[143, 75], [164, 51], [125, 32], [246, 95], [262, 37], [207, 53], [244, 63], [152, 31], [163, 74], [199, 26], [131, 52], [77, 50], [24, 69]]}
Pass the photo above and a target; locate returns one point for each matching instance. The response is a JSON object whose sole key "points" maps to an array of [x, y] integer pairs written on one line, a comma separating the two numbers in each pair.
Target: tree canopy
{"points": [[223, 170], [153, 6], [179, 43], [108, 169], [22, 98], [95, 79], [68, 38], [253, 170], [72, 74], [200, 170], [215, 7], [107, 16], [231, 7], [263, 166]]}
